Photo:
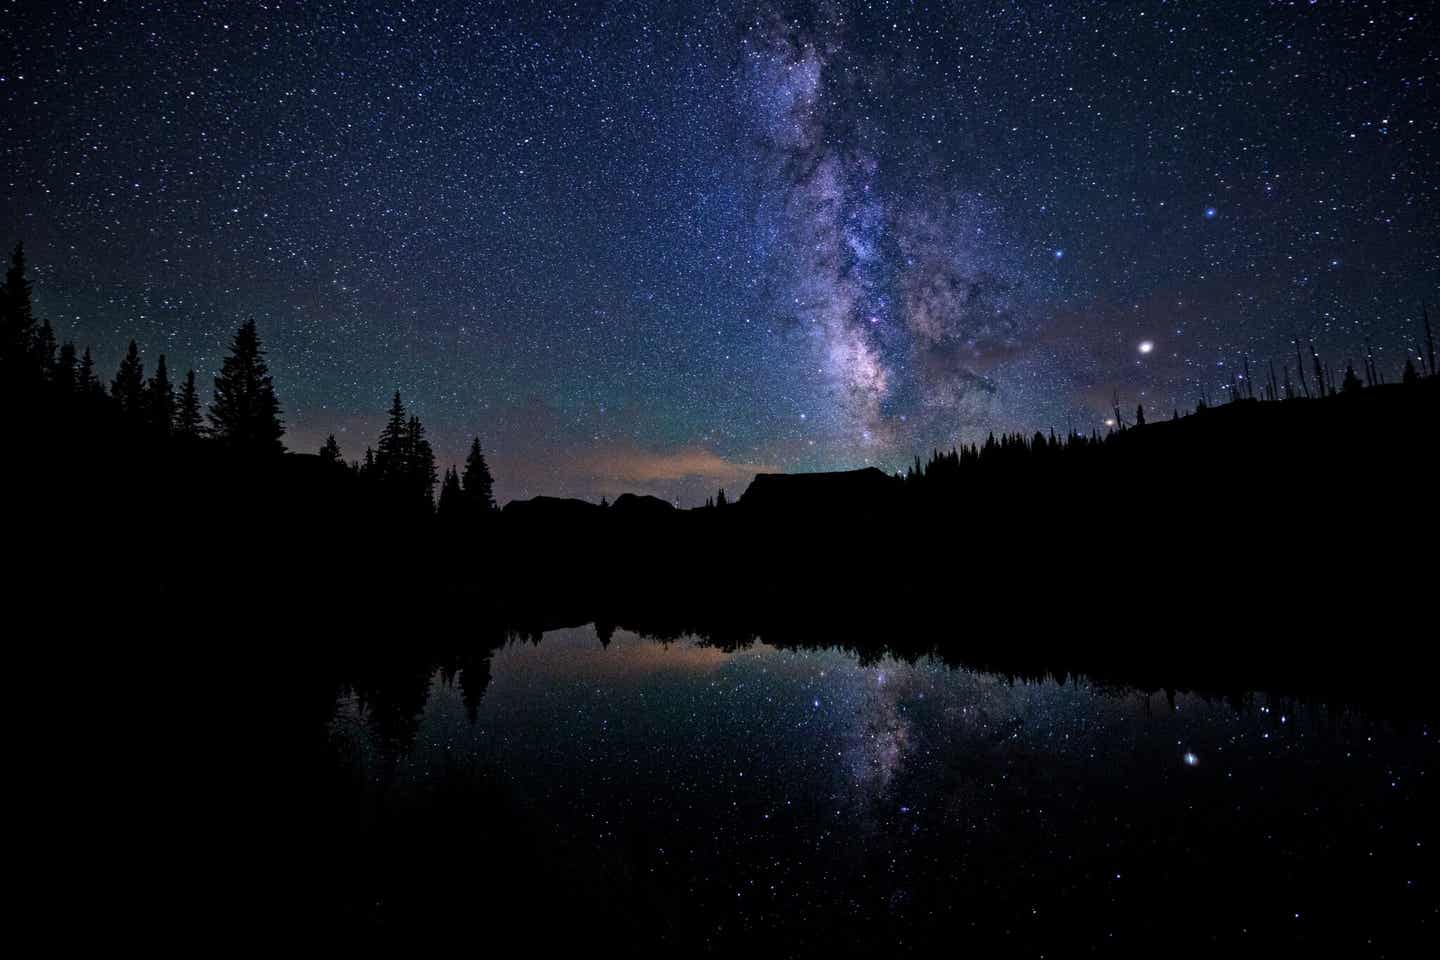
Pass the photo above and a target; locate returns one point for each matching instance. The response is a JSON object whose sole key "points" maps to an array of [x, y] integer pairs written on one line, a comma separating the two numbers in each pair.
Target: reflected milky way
{"points": [[920, 788]]}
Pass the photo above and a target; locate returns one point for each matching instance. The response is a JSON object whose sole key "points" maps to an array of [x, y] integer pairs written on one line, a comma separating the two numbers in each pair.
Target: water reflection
{"points": [[689, 793]]}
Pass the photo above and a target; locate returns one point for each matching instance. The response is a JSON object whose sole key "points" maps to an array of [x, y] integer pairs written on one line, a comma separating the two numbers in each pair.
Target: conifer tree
{"points": [[720, 500], [1351, 383], [160, 400], [1409, 376], [245, 413], [188, 423], [65, 372], [43, 347], [477, 484], [330, 450], [128, 387], [1140, 415], [420, 470], [87, 385], [389, 460], [450, 496], [17, 317]]}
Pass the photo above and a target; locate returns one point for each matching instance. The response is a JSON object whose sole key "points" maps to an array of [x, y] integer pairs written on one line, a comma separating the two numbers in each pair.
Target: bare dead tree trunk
{"points": [[1429, 340]]}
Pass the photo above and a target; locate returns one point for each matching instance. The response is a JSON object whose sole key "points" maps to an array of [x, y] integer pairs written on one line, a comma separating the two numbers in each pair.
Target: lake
{"points": [[679, 794]]}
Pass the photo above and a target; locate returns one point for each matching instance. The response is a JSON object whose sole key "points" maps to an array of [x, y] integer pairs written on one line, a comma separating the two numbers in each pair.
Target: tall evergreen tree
{"points": [[420, 469], [477, 484], [245, 413], [160, 400], [128, 387], [1351, 383], [65, 372], [87, 385], [330, 450], [1409, 376], [450, 496], [17, 316], [188, 423], [42, 347], [390, 460]]}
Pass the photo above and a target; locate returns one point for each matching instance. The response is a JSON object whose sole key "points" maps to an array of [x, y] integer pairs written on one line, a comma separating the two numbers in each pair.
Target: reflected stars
{"points": [[933, 773]]}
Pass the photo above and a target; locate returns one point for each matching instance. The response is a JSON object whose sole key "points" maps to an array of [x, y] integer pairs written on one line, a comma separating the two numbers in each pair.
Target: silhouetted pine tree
{"points": [[1351, 383], [160, 400], [477, 484], [330, 450], [420, 471], [720, 500], [450, 496], [17, 317], [188, 423], [245, 413], [1140, 415], [389, 460], [65, 371], [128, 387], [43, 347], [1410, 375], [87, 385]]}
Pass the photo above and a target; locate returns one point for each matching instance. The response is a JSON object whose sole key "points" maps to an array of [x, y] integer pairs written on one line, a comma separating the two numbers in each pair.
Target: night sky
{"points": [[661, 246]]}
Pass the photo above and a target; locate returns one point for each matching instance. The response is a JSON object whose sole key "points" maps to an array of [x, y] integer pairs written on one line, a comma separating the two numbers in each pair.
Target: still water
{"points": [[679, 794]]}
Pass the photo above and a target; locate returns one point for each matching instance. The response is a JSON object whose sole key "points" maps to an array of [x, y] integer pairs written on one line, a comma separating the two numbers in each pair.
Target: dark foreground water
{"points": [[571, 793]]}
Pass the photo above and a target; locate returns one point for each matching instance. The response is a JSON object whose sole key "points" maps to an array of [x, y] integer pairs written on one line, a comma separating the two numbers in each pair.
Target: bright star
{"points": [[1210, 213], [1146, 346]]}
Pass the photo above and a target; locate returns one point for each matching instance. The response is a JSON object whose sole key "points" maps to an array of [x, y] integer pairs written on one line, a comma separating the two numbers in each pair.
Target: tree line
{"points": [[1018, 451], [243, 414]]}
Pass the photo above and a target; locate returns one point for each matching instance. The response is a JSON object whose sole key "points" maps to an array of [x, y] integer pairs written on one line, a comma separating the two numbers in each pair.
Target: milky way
{"points": [[661, 246]]}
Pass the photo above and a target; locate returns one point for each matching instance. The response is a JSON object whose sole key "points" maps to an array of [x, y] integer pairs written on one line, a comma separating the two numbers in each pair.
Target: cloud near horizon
{"points": [[652, 467]]}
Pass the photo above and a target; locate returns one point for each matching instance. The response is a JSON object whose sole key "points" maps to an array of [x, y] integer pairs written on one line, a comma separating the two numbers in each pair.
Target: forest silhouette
{"points": [[1294, 503]]}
